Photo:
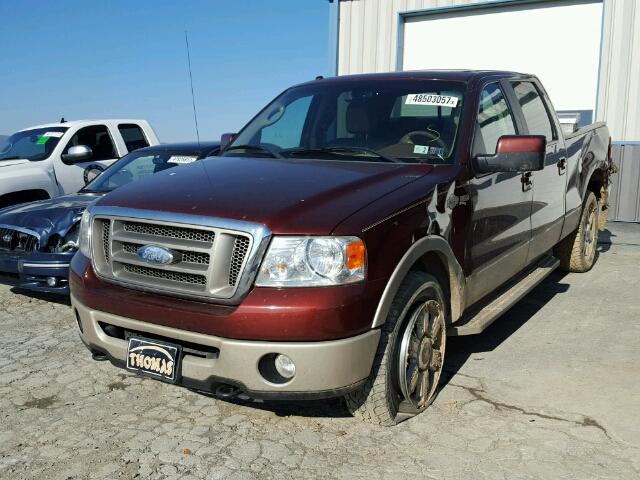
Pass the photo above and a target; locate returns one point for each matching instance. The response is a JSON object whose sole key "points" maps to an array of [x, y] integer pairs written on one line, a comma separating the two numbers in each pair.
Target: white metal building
{"points": [[586, 52]]}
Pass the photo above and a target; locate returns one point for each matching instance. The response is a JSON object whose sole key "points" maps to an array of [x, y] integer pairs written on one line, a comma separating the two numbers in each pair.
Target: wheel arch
{"points": [[597, 180], [433, 255]]}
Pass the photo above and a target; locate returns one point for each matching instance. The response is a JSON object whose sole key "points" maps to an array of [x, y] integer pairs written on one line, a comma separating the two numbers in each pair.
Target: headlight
{"points": [[312, 261], [85, 234]]}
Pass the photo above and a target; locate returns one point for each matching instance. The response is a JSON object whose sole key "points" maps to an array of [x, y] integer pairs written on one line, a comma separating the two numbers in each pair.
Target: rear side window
{"points": [[533, 108], [97, 138], [494, 120], [133, 136]]}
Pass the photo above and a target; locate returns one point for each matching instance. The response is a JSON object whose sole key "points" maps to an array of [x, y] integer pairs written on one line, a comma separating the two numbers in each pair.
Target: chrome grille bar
{"points": [[215, 260], [18, 240]]}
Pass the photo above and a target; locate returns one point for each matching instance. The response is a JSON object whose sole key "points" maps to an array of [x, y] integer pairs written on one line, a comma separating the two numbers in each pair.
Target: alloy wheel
{"points": [[421, 355]]}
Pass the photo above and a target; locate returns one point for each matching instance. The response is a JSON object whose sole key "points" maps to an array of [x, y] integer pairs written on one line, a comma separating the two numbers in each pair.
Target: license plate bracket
{"points": [[154, 358]]}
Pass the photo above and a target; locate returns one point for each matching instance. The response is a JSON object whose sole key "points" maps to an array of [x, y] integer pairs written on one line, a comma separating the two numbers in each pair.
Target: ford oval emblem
{"points": [[157, 255]]}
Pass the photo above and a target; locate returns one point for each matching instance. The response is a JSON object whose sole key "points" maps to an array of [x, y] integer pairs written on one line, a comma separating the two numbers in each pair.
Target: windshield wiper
{"points": [[342, 150], [254, 148], [426, 157]]}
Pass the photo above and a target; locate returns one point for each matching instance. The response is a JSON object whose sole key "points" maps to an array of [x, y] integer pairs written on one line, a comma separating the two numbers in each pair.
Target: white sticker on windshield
{"points": [[425, 150], [181, 159], [431, 99], [53, 134]]}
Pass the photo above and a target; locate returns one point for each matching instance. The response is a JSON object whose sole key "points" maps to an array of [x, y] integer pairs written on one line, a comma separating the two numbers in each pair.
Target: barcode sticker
{"points": [[431, 99]]}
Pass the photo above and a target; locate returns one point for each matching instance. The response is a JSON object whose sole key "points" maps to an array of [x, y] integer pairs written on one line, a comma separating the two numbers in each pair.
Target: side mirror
{"points": [[514, 153], [77, 154], [226, 139]]}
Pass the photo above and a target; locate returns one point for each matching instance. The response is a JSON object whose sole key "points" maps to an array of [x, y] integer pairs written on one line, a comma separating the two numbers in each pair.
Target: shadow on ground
{"points": [[12, 281], [328, 408], [47, 297], [460, 349]]}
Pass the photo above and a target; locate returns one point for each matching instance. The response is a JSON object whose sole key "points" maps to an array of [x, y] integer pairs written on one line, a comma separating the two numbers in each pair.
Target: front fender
{"points": [[28, 176], [429, 244]]}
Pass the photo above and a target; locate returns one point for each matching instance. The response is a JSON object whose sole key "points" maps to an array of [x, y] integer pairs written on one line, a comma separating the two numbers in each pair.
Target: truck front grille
{"points": [[240, 249], [171, 232], [16, 241], [165, 274], [208, 261]]}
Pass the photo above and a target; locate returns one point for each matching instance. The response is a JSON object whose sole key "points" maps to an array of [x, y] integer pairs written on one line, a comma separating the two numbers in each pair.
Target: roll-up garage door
{"points": [[557, 41]]}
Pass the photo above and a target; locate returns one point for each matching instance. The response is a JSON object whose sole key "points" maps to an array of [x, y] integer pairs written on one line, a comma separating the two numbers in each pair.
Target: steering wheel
{"points": [[433, 138]]}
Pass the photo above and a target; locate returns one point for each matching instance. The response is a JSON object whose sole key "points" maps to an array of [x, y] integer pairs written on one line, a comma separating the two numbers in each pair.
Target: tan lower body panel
{"points": [[320, 366]]}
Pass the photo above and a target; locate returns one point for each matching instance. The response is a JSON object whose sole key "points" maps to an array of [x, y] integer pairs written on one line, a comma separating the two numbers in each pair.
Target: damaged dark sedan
{"points": [[38, 239]]}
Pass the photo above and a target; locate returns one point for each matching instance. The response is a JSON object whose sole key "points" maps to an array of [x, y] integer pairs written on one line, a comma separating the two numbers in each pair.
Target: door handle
{"points": [[527, 182], [562, 165]]}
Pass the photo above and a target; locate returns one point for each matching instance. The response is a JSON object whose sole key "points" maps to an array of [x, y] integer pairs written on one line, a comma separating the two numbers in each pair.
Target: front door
{"points": [[501, 219], [549, 184], [73, 176]]}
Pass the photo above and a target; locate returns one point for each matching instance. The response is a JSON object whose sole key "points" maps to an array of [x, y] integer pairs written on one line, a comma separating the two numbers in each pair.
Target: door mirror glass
{"points": [[514, 153], [226, 139], [78, 153]]}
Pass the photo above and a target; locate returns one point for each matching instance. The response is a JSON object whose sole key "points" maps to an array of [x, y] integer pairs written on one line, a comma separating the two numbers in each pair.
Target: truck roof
{"points": [[76, 123], [450, 75]]}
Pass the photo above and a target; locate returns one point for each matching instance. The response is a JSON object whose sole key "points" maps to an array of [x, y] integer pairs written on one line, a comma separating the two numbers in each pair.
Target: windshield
{"points": [[380, 120], [135, 166], [35, 144]]}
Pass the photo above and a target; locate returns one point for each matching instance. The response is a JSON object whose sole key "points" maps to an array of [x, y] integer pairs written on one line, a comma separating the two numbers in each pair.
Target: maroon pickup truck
{"points": [[345, 232]]}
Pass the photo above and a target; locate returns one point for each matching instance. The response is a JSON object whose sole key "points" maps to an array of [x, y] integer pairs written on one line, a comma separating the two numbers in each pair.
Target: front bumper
{"points": [[323, 368], [36, 268]]}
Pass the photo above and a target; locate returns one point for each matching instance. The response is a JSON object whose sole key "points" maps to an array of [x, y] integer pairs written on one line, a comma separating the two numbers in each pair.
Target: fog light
{"points": [[285, 366], [52, 281]]}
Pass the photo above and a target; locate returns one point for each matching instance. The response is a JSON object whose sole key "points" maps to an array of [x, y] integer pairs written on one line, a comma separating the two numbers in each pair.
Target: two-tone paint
{"points": [[472, 231]]}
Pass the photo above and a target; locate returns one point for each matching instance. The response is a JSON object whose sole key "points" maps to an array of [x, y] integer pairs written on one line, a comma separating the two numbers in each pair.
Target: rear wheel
{"points": [[577, 252], [408, 364]]}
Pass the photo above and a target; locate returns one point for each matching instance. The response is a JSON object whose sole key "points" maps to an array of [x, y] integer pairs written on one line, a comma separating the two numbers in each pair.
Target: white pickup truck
{"points": [[59, 158]]}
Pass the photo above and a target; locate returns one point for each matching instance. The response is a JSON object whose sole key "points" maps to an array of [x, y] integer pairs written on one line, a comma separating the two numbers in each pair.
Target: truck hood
{"points": [[10, 163], [286, 195], [48, 217]]}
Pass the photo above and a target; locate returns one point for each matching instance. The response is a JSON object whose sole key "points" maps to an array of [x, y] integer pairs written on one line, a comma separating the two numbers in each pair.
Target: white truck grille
{"points": [[210, 260]]}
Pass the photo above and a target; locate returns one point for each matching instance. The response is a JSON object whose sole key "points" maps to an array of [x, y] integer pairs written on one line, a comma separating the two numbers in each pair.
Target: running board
{"points": [[480, 318]]}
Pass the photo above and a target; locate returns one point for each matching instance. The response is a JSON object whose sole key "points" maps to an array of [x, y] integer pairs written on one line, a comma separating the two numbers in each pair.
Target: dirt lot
{"points": [[552, 390]]}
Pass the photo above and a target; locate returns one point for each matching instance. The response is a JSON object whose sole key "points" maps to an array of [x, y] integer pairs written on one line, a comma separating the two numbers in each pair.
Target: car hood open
{"points": [[286, 195]]}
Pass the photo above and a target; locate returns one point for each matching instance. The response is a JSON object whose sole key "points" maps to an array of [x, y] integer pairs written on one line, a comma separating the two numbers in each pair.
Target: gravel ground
{"points": [[552, 390]]}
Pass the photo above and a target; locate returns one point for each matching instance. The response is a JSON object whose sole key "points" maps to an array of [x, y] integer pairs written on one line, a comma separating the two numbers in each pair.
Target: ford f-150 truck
{"points": [[45, 161], [347, 230]]}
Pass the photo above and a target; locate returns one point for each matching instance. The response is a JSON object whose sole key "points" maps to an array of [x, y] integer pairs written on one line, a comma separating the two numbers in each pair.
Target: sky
{"points": [[124, 58]]}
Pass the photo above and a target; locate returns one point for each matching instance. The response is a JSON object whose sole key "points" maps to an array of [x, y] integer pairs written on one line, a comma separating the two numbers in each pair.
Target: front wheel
{"points": [[406, 371], [577, 252]]}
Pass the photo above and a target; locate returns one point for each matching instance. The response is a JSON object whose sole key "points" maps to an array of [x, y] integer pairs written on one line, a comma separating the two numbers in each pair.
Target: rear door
{"points": [[72, 176], [501, 229], [549, 184]]}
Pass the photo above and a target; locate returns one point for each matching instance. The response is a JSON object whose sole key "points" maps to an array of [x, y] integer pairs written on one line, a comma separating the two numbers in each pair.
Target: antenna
{"points": [[193, 97]]}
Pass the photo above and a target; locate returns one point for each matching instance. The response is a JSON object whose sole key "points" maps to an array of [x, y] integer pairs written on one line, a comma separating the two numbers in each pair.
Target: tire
{"points": [[408, 363], [577, 252]]}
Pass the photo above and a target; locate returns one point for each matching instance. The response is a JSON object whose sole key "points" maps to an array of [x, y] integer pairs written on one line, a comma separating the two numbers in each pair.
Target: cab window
{"points": [[534, 110], [97, 138], [494, 120], [133, 136]]}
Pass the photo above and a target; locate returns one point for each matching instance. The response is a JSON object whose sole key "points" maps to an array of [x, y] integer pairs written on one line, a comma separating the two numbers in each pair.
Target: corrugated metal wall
{"points": [[625, 191], [619, 91], [368, 42]]}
